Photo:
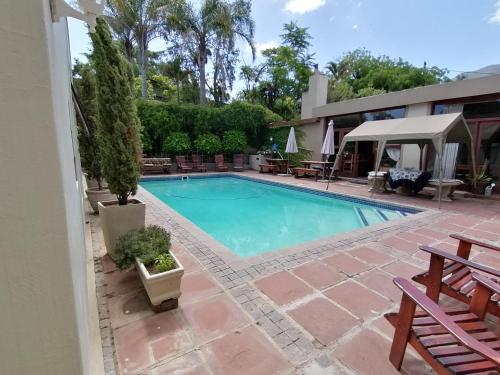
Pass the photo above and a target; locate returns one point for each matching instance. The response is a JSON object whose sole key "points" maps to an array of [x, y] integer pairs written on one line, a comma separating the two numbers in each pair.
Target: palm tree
{"points": [[175, 70], [143, 20], [203, 29]]}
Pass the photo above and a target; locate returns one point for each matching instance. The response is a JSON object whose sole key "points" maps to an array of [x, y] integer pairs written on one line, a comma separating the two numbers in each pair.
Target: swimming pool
{"points": [[252, 217]]}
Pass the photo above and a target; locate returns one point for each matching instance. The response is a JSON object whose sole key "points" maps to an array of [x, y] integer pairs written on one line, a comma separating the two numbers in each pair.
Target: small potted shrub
{"points": [[480, 180], [119, 138], [87, 139], [160, 271]]}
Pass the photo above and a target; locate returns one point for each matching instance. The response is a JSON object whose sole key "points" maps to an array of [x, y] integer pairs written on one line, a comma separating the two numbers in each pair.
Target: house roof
{"points": [[441, 92]]}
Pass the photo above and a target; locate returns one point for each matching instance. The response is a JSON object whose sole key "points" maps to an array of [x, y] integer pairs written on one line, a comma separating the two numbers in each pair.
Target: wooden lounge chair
{"points": [[238, 162], [219, 163], [198, 164], [453, 342], [452, 274], [182, 165]]}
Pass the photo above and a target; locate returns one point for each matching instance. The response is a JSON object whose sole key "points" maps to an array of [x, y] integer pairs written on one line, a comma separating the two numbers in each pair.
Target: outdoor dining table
{"points": [[324, 165], [281, 163]]}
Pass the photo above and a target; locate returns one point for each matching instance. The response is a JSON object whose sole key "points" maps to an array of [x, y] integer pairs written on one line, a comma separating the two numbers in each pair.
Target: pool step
{"points": [[370, 216]]}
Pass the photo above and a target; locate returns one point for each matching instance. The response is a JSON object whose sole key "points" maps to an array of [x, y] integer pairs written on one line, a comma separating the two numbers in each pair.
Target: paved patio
{"points": [[314, 310]]}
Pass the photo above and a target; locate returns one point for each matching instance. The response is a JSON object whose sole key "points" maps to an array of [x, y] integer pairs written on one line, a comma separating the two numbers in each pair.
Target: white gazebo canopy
{"points": [[437, 130]]}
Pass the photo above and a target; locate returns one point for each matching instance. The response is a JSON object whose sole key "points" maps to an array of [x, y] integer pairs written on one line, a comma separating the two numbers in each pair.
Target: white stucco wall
{"points": [[45, 321], [410, 154], [313, 138], [316, 94]]}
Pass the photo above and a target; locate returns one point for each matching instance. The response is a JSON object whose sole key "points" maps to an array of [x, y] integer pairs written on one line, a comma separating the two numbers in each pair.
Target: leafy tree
{"points": [[208, 144], [88, 145], [141, 19], [234, 141], [284, 75], [358, 73], [214, 26], [177, 143], [119, 125], [175, 70]]}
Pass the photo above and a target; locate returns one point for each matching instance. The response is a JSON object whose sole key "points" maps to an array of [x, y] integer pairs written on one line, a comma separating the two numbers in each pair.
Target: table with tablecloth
{"points": [[411, 179]]}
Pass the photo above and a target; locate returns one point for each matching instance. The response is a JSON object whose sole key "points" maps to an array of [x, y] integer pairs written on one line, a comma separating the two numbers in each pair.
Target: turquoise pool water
{"points": [[252, 218]]}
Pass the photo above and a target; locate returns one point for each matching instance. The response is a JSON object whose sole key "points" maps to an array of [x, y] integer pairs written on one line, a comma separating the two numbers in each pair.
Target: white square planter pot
{"points": [[94, 195], [117, 220], [161, 286]]}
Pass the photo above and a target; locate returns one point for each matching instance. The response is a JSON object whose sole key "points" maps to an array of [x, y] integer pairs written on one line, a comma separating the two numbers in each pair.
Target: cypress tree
{"points": [[88, 144], [119, 129]]}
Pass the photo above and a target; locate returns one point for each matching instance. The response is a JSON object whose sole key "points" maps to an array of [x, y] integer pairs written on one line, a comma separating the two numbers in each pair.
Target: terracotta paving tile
{"points": [[127, 308], [319, 275], [107, 264], [450, 227], [403, 269], [213, 317], [346, 263], [367, 353], [323, 320], [282, 287], [482, 235], [189, 262], [197, 285], [435, 235], [382, 283], [488, 259], [400, 244], [143, 342], [358, 299], [489, 226], [371, 256], [247, 352], [415, 238], [462, 220], [188, 364], [446, 246], [122, 282]]}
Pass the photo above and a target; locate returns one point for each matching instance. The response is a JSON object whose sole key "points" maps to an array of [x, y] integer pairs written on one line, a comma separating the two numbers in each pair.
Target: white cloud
{"points": [[261, 46], [495, 17], [355, 27], [303, 6]]}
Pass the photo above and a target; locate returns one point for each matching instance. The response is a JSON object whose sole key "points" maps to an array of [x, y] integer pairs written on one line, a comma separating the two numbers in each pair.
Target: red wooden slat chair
{"points": [[198, 164], [238, 162], [456, 342], [219, 163], [182, 165], [452, 274]]}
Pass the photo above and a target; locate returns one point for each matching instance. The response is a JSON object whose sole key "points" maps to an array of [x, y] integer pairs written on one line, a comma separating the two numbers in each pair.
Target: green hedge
{"points": [[160, 119]]}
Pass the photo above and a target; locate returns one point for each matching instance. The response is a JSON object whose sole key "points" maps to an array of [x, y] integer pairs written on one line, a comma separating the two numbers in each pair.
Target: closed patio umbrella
{"points": [[291, 144], [328, 147]]}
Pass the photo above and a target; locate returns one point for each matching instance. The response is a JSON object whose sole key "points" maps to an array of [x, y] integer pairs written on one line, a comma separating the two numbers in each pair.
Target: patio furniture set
{"points": [[313, 168], [197, 165], [454, 340]]}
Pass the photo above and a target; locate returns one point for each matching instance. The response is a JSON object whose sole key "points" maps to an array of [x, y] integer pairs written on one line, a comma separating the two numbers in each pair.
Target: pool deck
{"points": [[312, 309]]}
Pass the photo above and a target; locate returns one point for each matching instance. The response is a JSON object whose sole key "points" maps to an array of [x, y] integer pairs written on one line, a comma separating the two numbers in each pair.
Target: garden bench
{"points": [[452, 274], [155, 165], [273, 168], [303, 172]]}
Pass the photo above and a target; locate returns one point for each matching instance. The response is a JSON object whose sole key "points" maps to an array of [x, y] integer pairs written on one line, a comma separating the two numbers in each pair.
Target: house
{"points": [[477, 98]]}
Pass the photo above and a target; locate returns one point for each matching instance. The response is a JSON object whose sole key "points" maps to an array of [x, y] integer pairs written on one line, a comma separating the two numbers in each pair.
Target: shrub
{"points": [[147, 244], [87, 142], [234, 141], [208, 144], [119, 129], [164, 263], [177, 143]]}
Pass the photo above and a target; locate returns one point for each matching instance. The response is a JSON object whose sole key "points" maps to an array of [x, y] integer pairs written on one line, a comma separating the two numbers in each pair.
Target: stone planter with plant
{"points": [[160, 271], [90, 155], [480, 180], [119, 138]]}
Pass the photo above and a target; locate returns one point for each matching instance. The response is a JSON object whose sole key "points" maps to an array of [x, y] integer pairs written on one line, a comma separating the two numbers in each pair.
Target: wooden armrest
{"points": [[473, 241], [431, 308], [455, 258], [487, 283]]}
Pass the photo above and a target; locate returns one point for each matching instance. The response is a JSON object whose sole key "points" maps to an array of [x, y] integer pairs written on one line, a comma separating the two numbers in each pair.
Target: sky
{"points": [[460, 35]]}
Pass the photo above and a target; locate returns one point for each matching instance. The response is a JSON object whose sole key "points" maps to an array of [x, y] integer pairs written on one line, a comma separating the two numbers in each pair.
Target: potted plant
{"points": [[119, 138], [87, 138], [160, 271], [481, 179]]}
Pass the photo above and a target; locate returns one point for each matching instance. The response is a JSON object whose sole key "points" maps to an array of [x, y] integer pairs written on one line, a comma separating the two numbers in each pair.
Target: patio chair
{"points": [[452, 274], [219, 163], [182, 165], [238, 162], [198, 164], [452, 342]]}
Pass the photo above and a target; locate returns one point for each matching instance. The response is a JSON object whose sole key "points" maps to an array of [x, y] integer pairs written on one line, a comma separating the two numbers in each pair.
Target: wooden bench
{"points": [[303, 172], [155, 165], [272, 168]]}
